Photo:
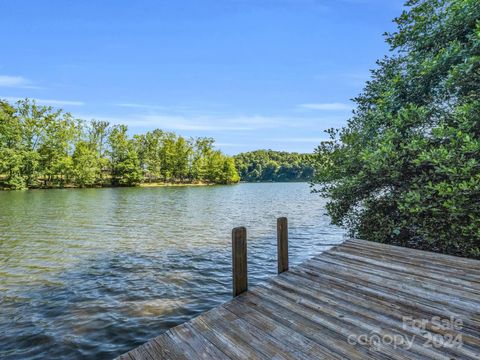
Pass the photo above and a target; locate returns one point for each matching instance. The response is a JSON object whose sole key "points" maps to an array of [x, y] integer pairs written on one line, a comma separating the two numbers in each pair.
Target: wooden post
{"points": [[282, 244], [239, 260]]}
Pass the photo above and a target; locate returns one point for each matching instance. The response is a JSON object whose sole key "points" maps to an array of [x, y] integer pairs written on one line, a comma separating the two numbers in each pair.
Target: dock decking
{"points": [[358, 300]]}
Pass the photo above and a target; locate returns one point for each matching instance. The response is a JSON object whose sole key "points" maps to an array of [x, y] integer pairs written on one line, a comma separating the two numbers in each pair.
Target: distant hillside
{"points": [[269, 165]]}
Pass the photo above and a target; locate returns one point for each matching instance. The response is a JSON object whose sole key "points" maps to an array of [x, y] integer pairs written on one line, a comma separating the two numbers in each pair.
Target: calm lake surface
{"points": [[93, 273]]}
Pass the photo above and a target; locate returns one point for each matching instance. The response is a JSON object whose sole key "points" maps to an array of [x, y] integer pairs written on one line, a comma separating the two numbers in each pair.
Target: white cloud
{"points": [[12, 81], [326, 106], [52, 102], [171, 109], [16, 82], [60, 102], [197, 122]]}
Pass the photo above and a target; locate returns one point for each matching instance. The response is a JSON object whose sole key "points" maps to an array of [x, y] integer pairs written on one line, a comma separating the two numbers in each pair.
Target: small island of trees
{"points": [[44, 147]]}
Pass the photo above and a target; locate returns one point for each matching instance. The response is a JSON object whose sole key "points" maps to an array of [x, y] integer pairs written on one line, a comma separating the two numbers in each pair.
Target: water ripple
{"points": [[95, 272]]}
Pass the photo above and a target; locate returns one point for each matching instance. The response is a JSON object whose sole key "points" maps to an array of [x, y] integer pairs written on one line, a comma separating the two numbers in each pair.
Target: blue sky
{"points": [[250, 73]]}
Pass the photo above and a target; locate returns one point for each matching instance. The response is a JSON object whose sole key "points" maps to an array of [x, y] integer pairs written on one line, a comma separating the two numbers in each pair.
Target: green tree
{"points": [[32, 119], [270, 170], [149, 148], [203, 149], [98, 133], [85, 164], [11, 151], [406, 168], [167, 156], [44, 147], [269, 165], [229, 171], [46, 142], [56, 147], [181, 158], [125, 164]]}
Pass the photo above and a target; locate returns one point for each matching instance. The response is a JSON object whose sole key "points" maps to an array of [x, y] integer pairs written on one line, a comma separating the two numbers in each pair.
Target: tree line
{"points": [[406, 168], [269, 165], [45, 147]]}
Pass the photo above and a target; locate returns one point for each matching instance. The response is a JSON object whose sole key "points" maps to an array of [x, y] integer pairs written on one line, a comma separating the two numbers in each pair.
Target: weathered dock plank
{"points": [[358, 300]]}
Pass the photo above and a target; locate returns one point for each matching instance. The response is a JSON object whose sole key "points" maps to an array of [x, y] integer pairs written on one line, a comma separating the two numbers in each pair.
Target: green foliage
{"points": [[12, 153], [125, 164], [229, 173], [44, 147], [35, 144], [406, 168], [85, 164], [269, 165]]}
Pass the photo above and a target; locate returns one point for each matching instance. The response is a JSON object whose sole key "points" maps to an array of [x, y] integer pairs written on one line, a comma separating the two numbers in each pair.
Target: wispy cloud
{"points": [[16, 82], [52, 102], [170, 109], [12, 81], [326, 106], [214, 123]]}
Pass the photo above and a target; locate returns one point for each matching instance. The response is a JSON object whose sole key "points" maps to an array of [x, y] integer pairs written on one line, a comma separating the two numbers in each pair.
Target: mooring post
{"points": [[239, 260], [282, 244]]}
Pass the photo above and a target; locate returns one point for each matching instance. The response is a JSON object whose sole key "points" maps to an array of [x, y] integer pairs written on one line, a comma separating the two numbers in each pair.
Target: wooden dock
{"points": [[358, 300]]}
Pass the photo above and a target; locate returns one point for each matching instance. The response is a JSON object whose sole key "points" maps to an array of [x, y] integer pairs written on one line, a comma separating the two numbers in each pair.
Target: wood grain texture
{"points": [[239, 260], [282, 244], [313, 311]]}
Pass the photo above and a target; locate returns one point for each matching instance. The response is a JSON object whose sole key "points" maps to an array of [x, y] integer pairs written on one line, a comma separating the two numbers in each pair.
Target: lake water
{"points": [[92, 273]]}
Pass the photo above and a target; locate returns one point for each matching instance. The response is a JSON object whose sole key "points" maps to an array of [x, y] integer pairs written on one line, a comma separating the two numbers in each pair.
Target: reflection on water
{"points": [[95, 272]]}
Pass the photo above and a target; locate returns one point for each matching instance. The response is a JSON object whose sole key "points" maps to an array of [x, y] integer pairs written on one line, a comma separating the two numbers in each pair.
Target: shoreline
{"points": [[151, 185], [167, 184], [142, 185]]}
